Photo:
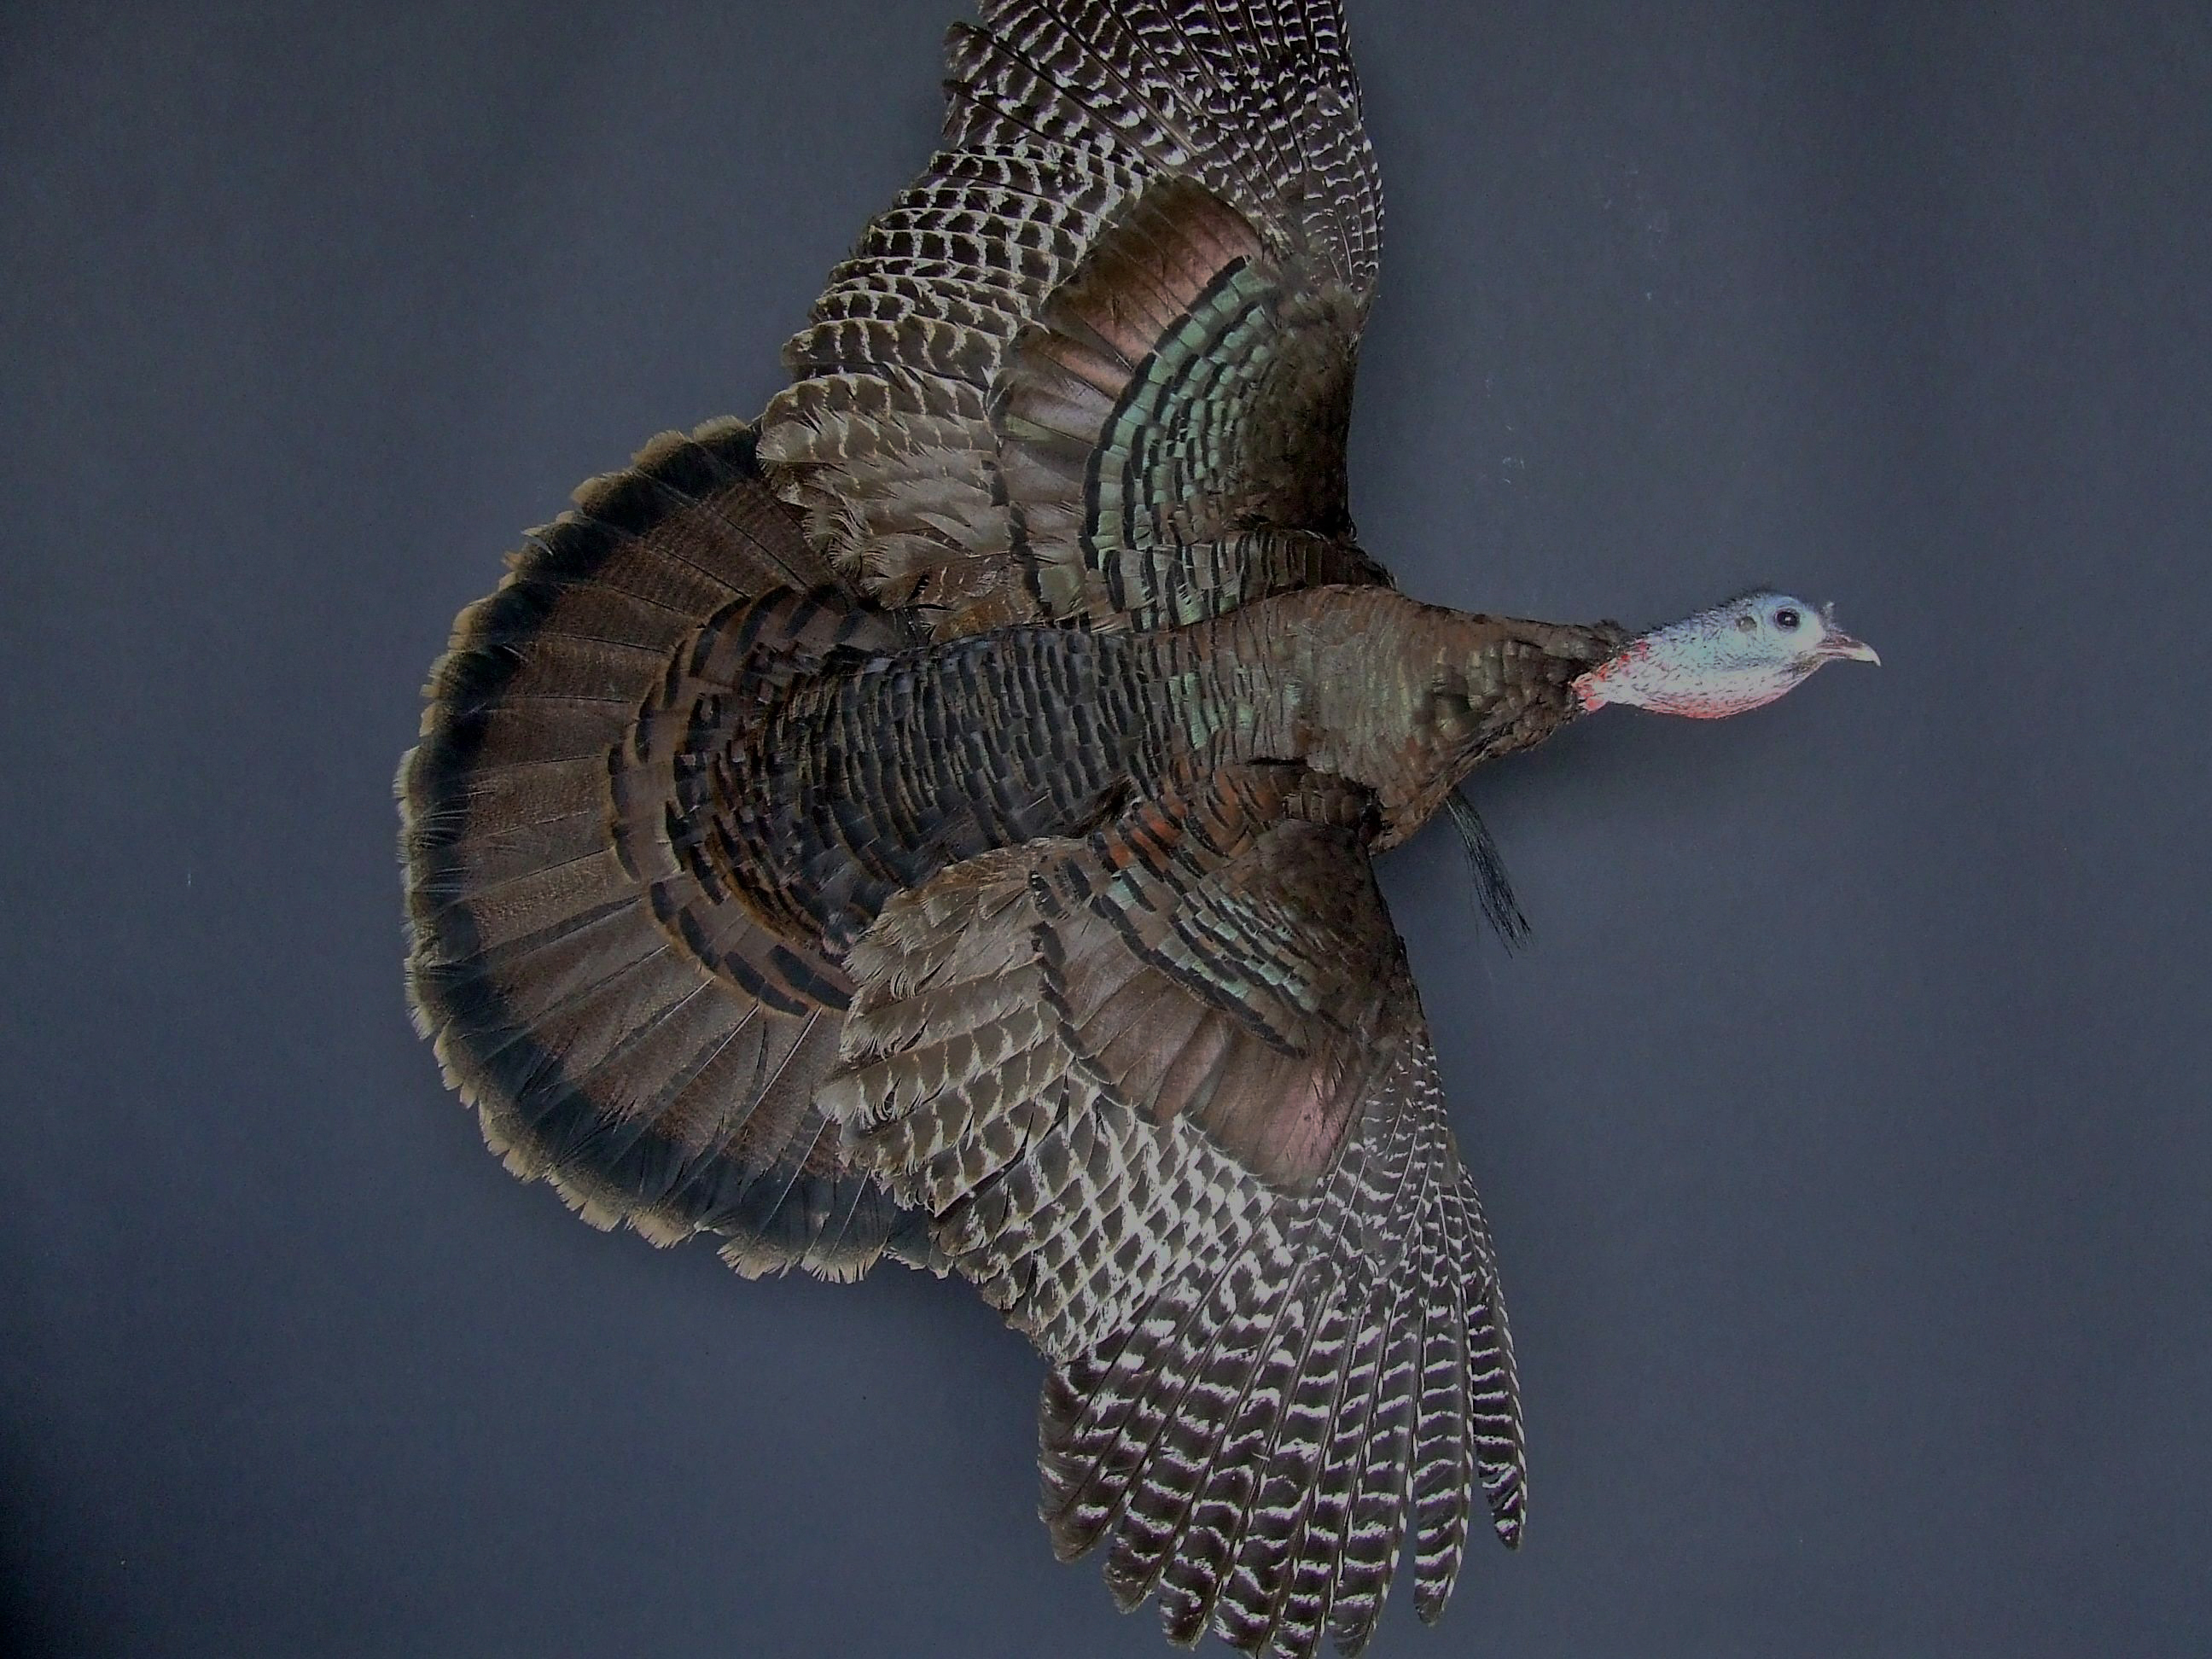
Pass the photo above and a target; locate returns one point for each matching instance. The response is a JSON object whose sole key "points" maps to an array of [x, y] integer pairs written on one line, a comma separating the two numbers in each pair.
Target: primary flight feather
{"points": [[935, 821]]}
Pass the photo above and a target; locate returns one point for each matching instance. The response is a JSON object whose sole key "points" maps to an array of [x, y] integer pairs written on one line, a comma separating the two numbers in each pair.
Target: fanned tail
{"points": [[611, 1032]]}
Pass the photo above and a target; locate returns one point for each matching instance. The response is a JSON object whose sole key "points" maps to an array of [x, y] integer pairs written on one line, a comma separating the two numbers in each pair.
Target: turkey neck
{"points": [[1403, 698]]}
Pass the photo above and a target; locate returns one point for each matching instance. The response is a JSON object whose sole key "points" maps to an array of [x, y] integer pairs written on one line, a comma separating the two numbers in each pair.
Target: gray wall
{"points": [[1845, 1135]]}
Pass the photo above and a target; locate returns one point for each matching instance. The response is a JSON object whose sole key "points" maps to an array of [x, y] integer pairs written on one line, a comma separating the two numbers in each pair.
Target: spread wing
{"points": [[1169, 1097], [1097, 362]]}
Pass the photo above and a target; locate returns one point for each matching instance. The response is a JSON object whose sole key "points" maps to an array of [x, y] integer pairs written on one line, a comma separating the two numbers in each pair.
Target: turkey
{"points": [[936, 821]]}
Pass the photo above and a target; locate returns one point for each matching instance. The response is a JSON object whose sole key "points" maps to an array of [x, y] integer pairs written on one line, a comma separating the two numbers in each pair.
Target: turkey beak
{"points": [[1839, 644]]}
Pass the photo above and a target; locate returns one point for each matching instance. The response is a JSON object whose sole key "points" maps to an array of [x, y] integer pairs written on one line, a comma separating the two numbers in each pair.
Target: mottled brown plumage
{"points": [[937, 821]]}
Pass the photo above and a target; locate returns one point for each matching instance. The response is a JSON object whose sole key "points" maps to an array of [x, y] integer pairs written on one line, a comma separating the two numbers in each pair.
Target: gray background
{"points": [[1845, 1134]]}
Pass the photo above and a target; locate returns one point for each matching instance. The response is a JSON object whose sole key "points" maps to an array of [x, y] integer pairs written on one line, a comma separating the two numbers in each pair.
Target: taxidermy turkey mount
{"points": [[936, 822]]}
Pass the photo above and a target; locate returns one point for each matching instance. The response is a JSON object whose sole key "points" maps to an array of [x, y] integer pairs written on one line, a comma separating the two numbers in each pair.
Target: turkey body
{"points": [[935, 823], [873, 771]]}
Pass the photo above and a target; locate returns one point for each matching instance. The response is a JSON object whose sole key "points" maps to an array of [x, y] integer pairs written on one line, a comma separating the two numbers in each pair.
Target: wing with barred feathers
{"points": [[1169, 1097], [1097, 362]]}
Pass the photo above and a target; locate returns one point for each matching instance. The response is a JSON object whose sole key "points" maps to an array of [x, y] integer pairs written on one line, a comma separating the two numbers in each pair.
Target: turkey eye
{"points": [[1786, 619]]}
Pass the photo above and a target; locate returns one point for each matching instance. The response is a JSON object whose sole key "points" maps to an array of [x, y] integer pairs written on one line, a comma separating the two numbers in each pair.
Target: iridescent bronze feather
{"points": [[937, 821]]}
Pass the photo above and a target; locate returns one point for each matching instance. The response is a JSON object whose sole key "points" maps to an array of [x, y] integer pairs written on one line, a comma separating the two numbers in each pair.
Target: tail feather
{"points": [[593, 1023]]}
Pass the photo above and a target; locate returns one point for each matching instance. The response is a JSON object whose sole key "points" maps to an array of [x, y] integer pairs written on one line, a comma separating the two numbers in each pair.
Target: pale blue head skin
{"points": [[1735, 657]]}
